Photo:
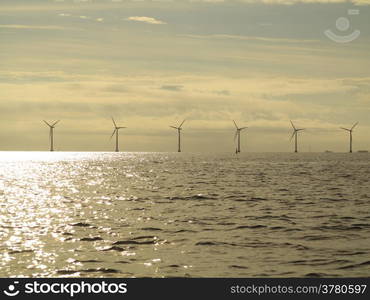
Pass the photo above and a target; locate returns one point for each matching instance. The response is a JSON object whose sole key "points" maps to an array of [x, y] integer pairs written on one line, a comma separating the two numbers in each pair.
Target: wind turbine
{"points": [[237, 135], [350, 135], [295, 134], [51, 133], [115, 131], [179, 135]]}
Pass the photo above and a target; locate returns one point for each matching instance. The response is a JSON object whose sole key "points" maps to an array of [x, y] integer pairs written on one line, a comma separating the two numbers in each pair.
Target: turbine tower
{"points": [[350, 135], [295, 135], [115, 131], [237, 135], [179, 135], [51, 133]]}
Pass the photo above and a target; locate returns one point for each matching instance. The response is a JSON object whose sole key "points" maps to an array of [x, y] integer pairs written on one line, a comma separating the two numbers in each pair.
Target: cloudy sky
{"points": [[151, 64]]}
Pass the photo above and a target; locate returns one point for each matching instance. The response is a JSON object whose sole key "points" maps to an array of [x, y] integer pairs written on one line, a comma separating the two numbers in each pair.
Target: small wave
{"points": [[347, 218], [182, 230], [206, 244], [317, 237], [332, 199], [99, 270], [192, 197], [322, 216], [257, 199], [151, 229], [66, 272], [144, 237], [89, 261], [211, 243], [91, 239], [179, 240], [140, 240], [292, 229], [362, 225], [277, 227], [317, 275], [132, 242], [350, 253], [269, 217], [113, 248], [238, 267], [81, 224], [345, 175], [226, 223], [250, 226], [296, 246], [341, 227], [200, 196], [122, 262], [285, 274], [318, 262], [366, 263], [20, 251]]}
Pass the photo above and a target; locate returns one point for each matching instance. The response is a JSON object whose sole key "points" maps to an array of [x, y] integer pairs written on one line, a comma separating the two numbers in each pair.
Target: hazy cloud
{"points": [[248, 38], [223, 92], [148, 20], [173, 88], [37, 27]]}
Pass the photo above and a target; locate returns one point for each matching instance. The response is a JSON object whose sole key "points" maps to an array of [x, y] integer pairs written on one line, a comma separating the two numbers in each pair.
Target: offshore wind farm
{"points": [[140, 214], [179, 129]]}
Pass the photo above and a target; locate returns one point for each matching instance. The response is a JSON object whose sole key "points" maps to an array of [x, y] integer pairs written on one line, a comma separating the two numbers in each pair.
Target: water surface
{"points": [[195, 215]]}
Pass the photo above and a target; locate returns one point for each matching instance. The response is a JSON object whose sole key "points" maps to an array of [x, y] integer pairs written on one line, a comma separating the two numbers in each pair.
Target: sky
{"points": [[151, 64]]}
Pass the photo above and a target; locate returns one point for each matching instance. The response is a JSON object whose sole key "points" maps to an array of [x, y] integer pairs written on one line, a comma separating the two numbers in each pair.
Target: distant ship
{"points": [[328, 151], [362, 151]]}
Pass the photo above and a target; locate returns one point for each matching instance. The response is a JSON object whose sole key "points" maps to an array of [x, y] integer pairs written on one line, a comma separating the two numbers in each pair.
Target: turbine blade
{"points": [[114, 131], [182, 123], [354, 126], [236, 126], [345, 128], [235, 135], [174, 127], [121, 127], [294, 132], [55, 123], [243, 128], [47, 123], [115, 125], [292, 125]]}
